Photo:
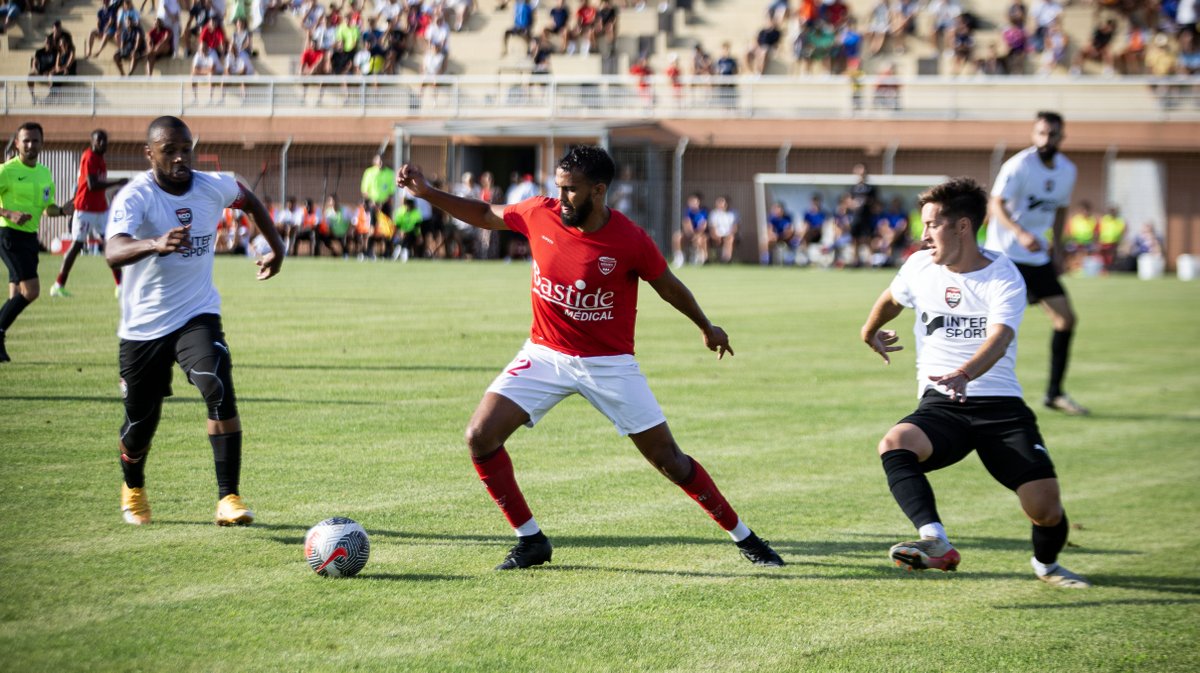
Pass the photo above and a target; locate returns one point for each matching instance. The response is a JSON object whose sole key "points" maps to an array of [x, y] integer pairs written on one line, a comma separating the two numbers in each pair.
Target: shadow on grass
{"points": [[410, 577], [880, 543], [183, 400], [1099, 604]]}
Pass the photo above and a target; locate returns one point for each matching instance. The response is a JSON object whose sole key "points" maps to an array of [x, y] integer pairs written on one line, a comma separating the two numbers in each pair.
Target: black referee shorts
{"points": [[19, 250], [1002, 430], [1041, 282]]}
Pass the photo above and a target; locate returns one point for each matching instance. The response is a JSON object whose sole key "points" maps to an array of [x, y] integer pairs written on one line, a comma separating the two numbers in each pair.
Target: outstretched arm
{"points": [[472, 211], [123, 249], [882, 341], [675, 293], [999, 337]]}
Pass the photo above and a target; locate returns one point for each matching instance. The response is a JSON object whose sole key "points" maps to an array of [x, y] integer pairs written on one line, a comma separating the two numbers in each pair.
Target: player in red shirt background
{"points": [[587, 261], [91, 208]]}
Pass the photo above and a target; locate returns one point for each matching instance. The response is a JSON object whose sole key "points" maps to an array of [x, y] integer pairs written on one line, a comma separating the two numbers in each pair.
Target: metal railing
{"points": [[527, 96]]}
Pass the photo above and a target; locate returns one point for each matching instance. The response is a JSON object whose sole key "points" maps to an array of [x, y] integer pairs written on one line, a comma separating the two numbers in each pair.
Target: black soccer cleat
{"points": [[530, 550], [3, 353], [758, 551]]}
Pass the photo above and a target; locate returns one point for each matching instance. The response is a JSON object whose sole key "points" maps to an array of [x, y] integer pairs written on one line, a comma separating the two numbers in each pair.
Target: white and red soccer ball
{"points": [[337, 547]]}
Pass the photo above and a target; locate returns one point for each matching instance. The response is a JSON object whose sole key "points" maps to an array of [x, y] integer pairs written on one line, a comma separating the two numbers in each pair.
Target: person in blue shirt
{"points": [[692, 234], [781, 230]]}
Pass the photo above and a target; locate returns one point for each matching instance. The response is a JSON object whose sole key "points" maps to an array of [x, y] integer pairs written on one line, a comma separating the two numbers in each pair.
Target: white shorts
{"points": [[204, 61], [539, 378], [82, 223]]}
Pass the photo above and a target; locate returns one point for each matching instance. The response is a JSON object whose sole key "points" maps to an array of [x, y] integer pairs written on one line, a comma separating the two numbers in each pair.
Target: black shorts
{"points": [[19, 250], [146, 366], [1040, 282], [1002, 430]]}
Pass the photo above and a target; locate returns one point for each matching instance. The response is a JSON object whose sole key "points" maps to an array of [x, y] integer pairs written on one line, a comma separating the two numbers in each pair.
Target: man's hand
{"points": [[715, 339], [955, 382], [1029, 241], [268, 266], [882, 342], [411, 178], [21, 218], [179, 238]]}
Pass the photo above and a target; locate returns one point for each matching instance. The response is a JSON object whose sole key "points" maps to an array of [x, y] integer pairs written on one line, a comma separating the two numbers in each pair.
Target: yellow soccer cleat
{"points": [[231, 511], [135, 507]]}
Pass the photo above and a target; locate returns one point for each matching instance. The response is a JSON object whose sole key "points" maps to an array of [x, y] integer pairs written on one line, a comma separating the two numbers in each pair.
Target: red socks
{"points": [[496, 473], [700, 487]]}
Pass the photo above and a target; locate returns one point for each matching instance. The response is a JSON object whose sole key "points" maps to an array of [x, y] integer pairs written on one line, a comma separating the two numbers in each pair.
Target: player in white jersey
{"points": [[968, 305], [1029, 199], [162, 230]]}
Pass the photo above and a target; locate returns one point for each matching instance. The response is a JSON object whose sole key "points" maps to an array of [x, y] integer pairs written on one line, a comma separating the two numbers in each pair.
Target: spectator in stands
{"points": [[764, 45], [42, 63], [460, 12], [312, 59], [643, 72], [1054, 53], [213, 36], [781, 235], [65, 65], [159, 42], [106, 29], [10, 10], [1132, 58], [702, 63], [1189, 52], [1044, 13], [691, 238], [992, 63], [1110, 232], [725, 68], [607, 17], [285, 220], [131, 44], [172, 17], [779, 11], [1099, 49], [964, 44], [821, 44], [345, 44], [833, 12], [1146, 242], [308, 225], [887, 89], [206, 63], [1017, 43], [433, 65], [877, 27], [1162, 56], [847, 54], [943, 13], [127, 10], [522, 25], [539, 52], [1017, 13], [674, 75], [584, 30], [723, 227], [558, 28], [903, 23], [198, 18], [337, 219], [438, 33]]}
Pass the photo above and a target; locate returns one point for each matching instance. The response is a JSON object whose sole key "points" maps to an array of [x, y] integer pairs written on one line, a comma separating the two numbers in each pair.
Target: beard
{"points": [[1047, 153], [578, 216]]}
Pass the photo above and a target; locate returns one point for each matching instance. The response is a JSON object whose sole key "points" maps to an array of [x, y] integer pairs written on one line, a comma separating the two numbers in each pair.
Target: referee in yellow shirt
{"points": [[26, 191]]}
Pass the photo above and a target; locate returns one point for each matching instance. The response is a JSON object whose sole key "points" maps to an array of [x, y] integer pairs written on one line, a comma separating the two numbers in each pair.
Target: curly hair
{"points": [[595, 163]]}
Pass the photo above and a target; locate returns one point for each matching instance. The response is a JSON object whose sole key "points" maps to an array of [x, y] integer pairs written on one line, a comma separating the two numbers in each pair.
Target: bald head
{"points": [[165, 125]]}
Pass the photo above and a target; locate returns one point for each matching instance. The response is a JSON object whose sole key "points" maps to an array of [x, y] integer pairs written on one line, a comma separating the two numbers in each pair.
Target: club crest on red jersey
{"points": [[953, 296], [607, 264], [184, 215]]}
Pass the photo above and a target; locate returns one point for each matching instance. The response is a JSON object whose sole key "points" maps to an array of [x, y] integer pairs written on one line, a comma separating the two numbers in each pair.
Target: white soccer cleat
{"points": [[1062, 578]]}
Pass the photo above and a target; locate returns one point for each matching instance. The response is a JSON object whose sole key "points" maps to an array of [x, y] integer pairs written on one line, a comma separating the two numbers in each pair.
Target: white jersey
{"points": [[1032, 195], [722, 221], [954, 311], [161, 293]]}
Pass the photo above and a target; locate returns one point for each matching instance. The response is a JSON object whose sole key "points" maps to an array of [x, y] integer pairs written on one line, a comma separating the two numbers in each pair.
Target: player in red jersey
{"points": [[91, 209], [587, 259]]}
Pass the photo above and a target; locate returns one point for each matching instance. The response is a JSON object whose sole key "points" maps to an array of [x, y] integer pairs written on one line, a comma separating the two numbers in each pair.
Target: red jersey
{"points": [[585, 286], [91, 200]]}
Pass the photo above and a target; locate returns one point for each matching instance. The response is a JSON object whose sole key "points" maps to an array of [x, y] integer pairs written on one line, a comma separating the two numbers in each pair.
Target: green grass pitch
{"points": [[355, 381]]}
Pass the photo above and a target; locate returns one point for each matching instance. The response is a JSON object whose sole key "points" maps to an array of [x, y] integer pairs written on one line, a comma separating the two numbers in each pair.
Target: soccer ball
{"points": [[337, 547]]}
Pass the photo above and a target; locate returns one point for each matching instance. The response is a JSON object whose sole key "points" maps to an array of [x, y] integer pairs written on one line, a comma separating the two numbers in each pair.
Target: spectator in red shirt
{"points": [[159, 41], [585, 28]]}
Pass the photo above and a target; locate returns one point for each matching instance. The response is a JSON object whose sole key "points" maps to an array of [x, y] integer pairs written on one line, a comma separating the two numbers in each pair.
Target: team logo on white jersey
{"points": [[953, 296], [607, 264], [1049, 185], [184, 215]]}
